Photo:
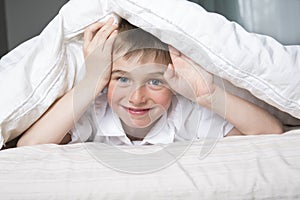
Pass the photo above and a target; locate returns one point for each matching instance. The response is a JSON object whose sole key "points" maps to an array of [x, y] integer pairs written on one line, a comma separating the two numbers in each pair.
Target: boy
{"points": [[153, 97]]}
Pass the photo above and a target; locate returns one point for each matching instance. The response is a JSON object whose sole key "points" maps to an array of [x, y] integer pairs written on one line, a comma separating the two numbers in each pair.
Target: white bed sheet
{"points": [[240, 167]]}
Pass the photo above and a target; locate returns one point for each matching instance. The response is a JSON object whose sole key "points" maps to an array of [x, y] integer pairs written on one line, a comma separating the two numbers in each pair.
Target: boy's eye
{"points": [[123, 79], [155, 82]]}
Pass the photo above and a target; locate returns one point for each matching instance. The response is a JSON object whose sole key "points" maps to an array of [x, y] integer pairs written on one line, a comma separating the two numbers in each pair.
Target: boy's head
{"points": [[137, 91]]}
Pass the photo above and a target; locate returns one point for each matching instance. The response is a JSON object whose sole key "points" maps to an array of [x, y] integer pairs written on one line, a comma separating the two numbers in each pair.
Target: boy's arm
{"points": [[60, 118], [248, 118], [190, 80]]}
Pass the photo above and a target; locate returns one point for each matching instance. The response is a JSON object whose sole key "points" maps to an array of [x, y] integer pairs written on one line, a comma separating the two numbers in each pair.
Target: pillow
{"points": [[38, 72]]}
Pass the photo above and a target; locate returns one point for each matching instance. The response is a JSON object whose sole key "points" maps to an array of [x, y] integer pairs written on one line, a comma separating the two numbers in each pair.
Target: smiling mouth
{"points": [[137, 111]]}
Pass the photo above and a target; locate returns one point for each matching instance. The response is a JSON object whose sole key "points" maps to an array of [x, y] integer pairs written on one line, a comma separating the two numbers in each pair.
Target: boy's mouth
{"points": [[137, 111]]}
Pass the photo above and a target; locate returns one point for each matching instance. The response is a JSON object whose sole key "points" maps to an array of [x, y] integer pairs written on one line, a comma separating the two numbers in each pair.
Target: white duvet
{"points": [[36, 73]]}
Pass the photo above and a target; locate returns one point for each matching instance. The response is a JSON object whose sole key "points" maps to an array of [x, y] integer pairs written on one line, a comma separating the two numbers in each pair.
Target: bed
{"points": [[255, 67], [252, 167]]}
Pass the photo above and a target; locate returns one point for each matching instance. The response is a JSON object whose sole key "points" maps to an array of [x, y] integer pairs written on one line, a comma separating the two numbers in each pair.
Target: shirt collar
{"points": [[161, 133], [110, 124]]}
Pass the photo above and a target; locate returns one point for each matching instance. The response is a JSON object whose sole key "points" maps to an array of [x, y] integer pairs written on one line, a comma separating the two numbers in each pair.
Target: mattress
{"points": [[237, 167]]}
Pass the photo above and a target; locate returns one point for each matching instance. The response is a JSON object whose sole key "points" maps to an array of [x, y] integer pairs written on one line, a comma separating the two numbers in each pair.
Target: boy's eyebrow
{"points": [[124, 72], [157, 73], [118, 71]]}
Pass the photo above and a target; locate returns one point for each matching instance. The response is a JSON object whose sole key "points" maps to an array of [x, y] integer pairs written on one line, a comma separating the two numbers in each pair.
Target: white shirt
{"points": [[184, 121]]}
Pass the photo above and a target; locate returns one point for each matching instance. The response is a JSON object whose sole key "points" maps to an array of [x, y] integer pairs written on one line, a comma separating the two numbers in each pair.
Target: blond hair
{"points": [[136, 45]]}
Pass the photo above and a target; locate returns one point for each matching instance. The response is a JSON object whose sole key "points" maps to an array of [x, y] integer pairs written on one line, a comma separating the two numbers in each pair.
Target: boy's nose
{"points": [[138, 96]]}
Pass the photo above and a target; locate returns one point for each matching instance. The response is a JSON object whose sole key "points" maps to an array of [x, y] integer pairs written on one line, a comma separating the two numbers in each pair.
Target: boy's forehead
{"points": [[130, 66]]}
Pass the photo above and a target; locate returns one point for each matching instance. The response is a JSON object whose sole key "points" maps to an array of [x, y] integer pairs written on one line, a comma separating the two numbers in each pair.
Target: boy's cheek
{"points": [[110, 92], [164, 99], [115, 93]]}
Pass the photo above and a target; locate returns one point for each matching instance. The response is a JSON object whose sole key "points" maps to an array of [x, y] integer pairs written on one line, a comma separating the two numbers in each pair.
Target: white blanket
{"points": [[240, 167], [42, 69]]}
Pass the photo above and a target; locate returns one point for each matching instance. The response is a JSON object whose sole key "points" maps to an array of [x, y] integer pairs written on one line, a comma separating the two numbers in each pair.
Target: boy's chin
{"points": [[139, 124]]}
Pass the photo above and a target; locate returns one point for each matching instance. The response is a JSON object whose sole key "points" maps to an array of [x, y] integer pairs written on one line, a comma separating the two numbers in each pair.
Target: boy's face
{"points": [[137, 93]]}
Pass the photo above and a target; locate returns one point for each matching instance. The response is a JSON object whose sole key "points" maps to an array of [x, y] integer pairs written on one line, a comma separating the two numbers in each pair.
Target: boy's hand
{"points": [[187, 78], [97, 47]]}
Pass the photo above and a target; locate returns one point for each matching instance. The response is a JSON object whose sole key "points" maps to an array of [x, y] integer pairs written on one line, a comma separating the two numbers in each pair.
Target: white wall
{"points": [[26, 18]]}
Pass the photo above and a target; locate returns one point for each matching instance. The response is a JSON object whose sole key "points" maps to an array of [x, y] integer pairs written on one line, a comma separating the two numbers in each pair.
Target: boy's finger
{"points": [[113, 35], [169, 73], [110, 40], [170, 78], [105, 31], [174, 52], [91, 30]]}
